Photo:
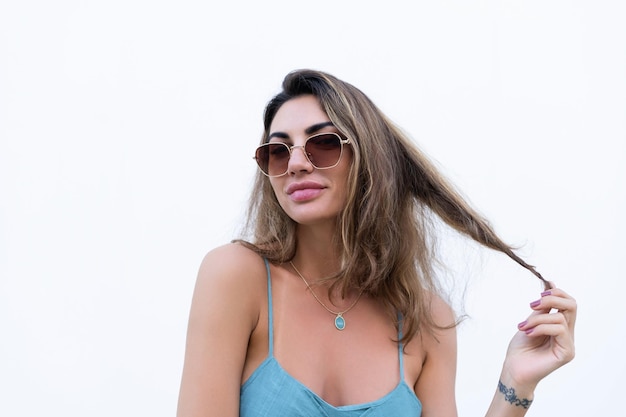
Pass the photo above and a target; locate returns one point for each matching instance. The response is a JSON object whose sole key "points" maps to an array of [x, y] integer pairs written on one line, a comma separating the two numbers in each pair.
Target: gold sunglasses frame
{"points": [[292, 147]]}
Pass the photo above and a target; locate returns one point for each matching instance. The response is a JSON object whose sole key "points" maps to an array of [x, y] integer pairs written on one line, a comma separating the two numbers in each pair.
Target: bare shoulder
{"points": [[445, 318], [231, 275], [435, 385], [233, 260], [232, 263], [225, 310], [443, 313]]}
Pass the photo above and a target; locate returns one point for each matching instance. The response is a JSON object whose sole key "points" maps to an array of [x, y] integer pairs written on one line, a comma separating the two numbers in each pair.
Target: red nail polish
{"points": [[535, 303], [543, 294]]}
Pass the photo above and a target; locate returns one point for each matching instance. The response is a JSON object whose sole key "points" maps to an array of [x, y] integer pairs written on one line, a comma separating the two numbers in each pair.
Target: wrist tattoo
{"points": [[510, 396]]}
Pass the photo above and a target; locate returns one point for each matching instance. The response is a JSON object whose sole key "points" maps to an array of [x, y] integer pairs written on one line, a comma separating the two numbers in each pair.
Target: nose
{"points": [[298, 161]]}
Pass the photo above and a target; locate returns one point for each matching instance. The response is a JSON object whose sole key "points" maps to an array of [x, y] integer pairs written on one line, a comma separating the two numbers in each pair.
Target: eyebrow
{"points": [[309, 130]]}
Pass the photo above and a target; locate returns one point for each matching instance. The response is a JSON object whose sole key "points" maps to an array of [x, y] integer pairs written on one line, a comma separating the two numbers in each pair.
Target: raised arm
{"points": [[544, 343], [224, 312]]}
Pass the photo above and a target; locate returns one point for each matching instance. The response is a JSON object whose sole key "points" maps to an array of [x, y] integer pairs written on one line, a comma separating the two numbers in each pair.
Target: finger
{"points": [[562, 339], [549, 301], [558, 292], [555, 330], [559, 333], [535, 320], [559, 300]]}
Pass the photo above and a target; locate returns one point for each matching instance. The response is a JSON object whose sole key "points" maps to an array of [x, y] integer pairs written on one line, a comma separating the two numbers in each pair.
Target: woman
{"points": [[332, 307]]}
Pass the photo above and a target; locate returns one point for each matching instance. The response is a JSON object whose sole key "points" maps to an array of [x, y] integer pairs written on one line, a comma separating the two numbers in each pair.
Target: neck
{"points": [[317, 253]]}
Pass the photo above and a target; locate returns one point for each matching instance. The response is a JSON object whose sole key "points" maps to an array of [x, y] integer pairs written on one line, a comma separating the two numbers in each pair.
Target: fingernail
{"points": [[529, 331], [543, 294], [535, 303], [522, 324]]}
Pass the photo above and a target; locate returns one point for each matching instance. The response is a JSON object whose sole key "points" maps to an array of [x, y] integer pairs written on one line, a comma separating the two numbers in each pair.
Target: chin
{"points": [[308, 218], [312, 212]]}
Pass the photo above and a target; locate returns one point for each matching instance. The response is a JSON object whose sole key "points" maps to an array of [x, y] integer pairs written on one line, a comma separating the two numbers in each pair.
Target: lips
{"points": [[306, 190], [304, 185]]}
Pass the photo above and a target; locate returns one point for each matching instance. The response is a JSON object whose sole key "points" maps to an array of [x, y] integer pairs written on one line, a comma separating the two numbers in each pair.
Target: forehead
{"points": [[297, 114]]}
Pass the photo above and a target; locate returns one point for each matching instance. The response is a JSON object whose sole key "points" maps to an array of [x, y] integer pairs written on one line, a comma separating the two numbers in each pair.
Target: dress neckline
{"points": [[271, 360]]}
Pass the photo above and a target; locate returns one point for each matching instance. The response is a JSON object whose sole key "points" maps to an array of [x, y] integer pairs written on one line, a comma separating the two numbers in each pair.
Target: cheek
{"points": [[342, 191], [276, 189], [276, 184], [273, 184], [347, 177]]}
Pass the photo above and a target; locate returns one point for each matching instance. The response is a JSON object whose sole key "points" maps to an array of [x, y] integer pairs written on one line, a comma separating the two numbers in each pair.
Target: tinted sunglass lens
{"points": [[324, 150], [262, 158], [273, 158], [279, 158]]}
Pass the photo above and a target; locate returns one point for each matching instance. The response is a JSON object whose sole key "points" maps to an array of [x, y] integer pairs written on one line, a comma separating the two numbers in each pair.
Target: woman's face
{"points": [[308, 195]]}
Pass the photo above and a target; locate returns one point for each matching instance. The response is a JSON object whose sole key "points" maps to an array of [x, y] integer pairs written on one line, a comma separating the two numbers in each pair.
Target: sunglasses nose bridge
{"points": [[293, 159]]}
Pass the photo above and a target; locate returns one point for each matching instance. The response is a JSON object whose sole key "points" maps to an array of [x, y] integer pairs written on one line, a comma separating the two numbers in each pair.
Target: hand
{"points": [[545, 340]]}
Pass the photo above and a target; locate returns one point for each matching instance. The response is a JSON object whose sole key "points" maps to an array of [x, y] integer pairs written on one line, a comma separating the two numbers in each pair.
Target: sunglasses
{"points": [[323, 151]]}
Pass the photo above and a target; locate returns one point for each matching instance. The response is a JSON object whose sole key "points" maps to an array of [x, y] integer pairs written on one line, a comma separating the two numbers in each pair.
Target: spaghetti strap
{"points": [[270, 315], [400, 353]]}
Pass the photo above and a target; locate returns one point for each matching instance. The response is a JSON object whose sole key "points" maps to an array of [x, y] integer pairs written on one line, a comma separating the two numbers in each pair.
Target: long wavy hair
{"points": [[386, 230]]}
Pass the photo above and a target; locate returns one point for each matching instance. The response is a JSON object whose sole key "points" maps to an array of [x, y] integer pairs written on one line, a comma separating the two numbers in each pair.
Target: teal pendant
{"points": [[340, 322]]}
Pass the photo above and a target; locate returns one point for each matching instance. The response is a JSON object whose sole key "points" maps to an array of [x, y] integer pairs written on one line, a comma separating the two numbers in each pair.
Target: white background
{"points": [[127, 129]]}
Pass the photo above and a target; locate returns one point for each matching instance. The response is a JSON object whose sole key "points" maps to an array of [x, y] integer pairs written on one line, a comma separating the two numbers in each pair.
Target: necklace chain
{"points": [[340, 322]]}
